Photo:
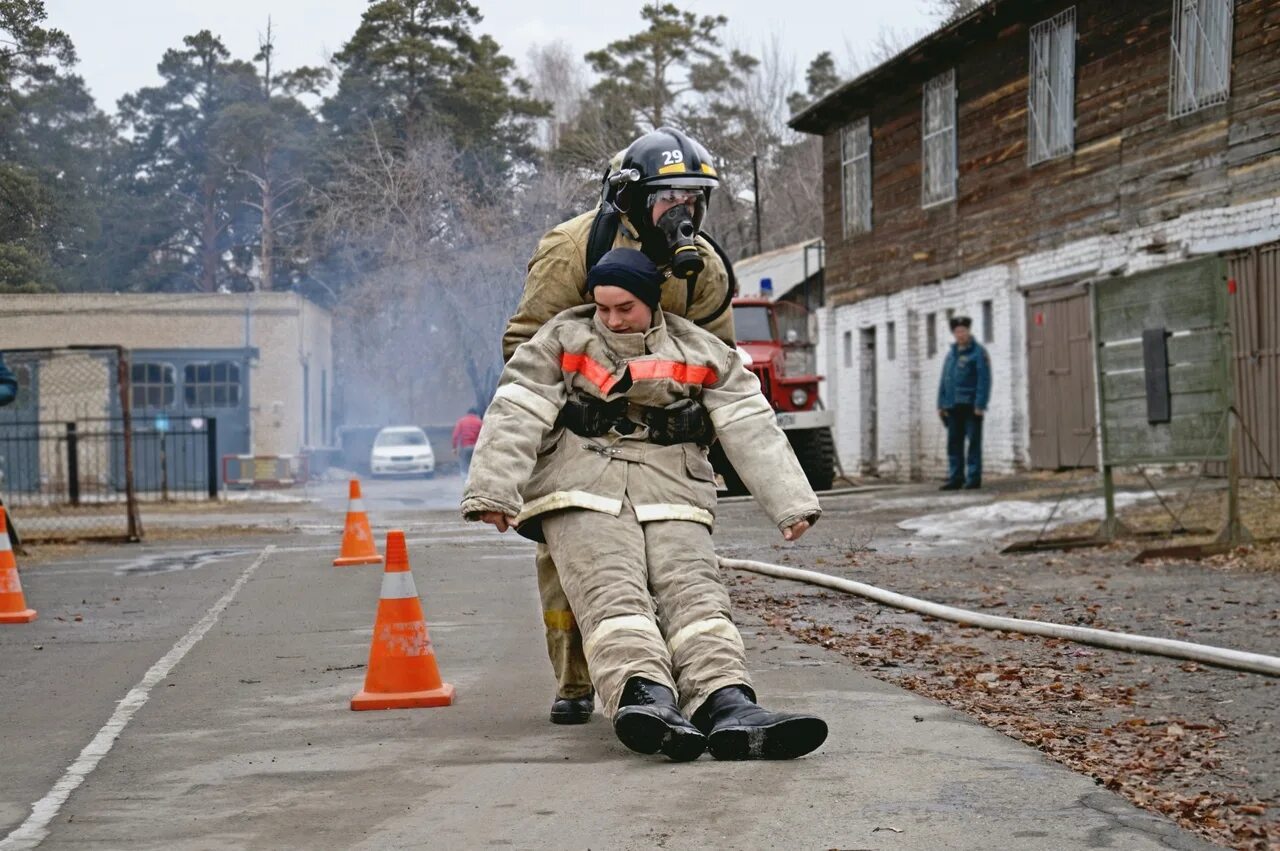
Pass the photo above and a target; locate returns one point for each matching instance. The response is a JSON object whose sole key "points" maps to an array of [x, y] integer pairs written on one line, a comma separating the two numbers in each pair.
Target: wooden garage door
{"points": [[1255, 326], [1062, 403]]}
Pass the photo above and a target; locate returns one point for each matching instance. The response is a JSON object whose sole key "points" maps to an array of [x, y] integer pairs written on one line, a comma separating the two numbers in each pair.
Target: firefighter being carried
{"points": [[576, 451]]}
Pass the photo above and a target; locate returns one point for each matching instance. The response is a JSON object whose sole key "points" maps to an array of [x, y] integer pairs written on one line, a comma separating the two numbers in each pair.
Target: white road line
{"points": [[33, 831]]}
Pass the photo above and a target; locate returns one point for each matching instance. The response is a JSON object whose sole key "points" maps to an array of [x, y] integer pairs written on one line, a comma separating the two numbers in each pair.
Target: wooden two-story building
{"points": [[1000, 166]]}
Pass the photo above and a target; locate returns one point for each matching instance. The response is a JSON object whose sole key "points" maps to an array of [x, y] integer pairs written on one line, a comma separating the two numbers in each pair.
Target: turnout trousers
{"points": [[649, 602], [564, 641]]}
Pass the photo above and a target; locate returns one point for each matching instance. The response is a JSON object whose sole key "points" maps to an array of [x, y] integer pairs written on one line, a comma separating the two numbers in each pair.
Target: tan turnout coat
{"points": [[526, 466]]}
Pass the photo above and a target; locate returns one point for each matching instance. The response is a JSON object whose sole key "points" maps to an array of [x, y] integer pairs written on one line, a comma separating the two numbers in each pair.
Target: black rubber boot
{"points": [[738, 728], [951, 486], [649, 721], [573, 710]]}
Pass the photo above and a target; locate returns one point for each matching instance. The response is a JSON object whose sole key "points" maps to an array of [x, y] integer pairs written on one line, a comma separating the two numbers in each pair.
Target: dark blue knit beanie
{"points": [[630, 270]]}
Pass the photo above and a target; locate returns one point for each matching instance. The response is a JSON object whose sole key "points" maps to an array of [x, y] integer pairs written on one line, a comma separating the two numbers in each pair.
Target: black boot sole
{"points": [[785, 739], [643, 733], [570, 717]]}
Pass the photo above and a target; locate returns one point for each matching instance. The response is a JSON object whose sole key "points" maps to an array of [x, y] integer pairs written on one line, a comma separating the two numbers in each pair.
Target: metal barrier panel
{"points": [[66, 459], [264, 471], [174, 460]]}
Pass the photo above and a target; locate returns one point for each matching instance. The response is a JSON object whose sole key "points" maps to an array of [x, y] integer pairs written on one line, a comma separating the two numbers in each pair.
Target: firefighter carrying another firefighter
{"points": [[654, 198], [626, 507]]}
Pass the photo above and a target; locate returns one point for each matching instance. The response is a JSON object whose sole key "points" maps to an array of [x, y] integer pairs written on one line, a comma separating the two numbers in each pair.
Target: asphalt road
{"points": [[169, 698]]}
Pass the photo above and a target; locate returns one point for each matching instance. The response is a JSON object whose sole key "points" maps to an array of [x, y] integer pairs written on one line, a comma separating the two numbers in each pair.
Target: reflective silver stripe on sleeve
{"points": [[525, 398], [740, 410]]}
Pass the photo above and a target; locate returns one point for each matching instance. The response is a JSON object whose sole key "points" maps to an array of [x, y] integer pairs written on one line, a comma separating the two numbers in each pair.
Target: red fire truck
{"points": [[774, 340]]}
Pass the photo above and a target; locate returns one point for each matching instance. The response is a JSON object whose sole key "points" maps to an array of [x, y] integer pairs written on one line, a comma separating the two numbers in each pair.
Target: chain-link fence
{"points": [[67, 445]]}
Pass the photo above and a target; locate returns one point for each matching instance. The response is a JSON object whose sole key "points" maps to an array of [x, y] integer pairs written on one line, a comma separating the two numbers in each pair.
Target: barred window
{"points": [[855, 167], [1051, 91], [152, 385], [939, 140], [212, 385], [1200, 64]]}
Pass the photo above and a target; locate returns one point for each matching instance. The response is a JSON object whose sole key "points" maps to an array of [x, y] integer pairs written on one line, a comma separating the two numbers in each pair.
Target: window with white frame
{"points": [[1200, 64], [855, 170], [1051, 89], [891, 340], [848, 350], [939, 140]]}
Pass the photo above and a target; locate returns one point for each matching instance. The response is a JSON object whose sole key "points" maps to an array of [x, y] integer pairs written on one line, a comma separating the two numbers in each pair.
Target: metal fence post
{"points": [[126, 414], [73, 465], [211, 457], [164, 468]]}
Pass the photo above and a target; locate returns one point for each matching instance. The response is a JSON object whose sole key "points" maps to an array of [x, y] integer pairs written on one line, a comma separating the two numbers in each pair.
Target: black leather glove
{"points": [[685, 421], [590, 417]]}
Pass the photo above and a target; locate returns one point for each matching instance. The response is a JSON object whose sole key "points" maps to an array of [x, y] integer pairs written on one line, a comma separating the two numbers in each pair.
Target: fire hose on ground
{"points": [[1221, 657]]}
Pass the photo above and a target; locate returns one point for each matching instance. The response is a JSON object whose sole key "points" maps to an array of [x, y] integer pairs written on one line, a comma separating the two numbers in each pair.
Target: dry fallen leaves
{"points": [[1061, 706]]}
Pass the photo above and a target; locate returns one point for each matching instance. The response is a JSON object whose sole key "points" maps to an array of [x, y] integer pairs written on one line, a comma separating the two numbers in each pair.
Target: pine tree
{"points": [[677, 54], [52, 139], [417, 67], [820, 78], [184, 183], [268, 140]]}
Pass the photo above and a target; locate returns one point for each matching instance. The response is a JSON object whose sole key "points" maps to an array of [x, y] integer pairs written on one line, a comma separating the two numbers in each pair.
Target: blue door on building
{"points": [[20, 430], [174, 394]]}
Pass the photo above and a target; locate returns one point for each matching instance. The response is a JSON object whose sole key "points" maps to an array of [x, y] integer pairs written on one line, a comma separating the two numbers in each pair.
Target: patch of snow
{"points": [[1004, 518], [910, 502], [283, 497]]}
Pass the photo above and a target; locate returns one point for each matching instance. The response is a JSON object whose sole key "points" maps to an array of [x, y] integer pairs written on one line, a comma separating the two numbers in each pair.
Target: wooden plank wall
{"points": [[1132, 165]]}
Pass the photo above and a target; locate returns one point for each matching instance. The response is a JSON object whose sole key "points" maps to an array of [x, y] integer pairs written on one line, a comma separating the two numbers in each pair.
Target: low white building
{"points": [[261, 363]]}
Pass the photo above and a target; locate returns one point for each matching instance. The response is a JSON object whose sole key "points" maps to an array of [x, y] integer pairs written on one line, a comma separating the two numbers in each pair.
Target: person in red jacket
{"points": [[465, 434]]}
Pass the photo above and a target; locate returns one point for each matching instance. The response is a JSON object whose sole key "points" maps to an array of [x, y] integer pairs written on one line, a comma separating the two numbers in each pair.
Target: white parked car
{"points": [[402, 451]]}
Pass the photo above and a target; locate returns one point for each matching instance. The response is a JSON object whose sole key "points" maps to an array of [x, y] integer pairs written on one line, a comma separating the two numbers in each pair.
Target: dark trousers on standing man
{"points": [[964, 425]]}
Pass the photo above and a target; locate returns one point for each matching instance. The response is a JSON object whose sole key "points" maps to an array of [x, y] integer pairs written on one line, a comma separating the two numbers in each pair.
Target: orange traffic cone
{"points": [[357, 537], [402, 669], [13, 606]]}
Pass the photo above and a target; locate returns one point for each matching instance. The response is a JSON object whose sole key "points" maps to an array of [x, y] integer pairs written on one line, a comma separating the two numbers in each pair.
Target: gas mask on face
{"points": [[677, 226], [672, 237]]}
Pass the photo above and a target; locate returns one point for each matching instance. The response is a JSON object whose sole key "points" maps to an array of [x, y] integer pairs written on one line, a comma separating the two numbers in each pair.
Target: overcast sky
{"points": [[121, 41]]}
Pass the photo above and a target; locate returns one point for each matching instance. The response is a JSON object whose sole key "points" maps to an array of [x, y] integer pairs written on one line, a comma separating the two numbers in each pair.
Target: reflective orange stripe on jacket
{"points": [[589, 368], [685, 373], [642, 370]]}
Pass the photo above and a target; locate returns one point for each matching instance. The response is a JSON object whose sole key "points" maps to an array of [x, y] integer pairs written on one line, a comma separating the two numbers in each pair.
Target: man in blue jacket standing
{"points": [[963, 393]]}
